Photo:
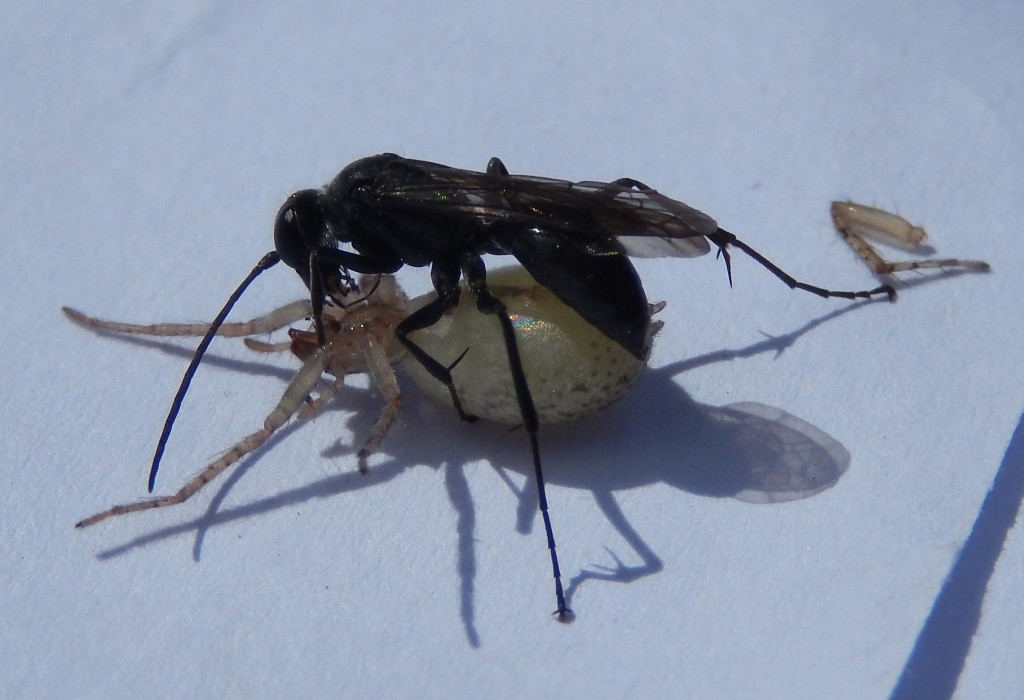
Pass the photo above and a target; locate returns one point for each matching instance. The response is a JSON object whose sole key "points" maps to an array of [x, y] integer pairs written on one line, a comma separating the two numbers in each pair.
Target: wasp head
{"points": [[300, 230]]}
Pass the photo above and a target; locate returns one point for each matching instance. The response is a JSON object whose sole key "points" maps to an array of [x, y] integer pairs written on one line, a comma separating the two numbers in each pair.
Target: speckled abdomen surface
{"points": [[571, 367]]}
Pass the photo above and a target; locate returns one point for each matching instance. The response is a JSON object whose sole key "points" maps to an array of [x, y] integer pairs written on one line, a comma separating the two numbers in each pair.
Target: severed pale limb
{"points": [[278, 318], [298, 389], [857, 222]]}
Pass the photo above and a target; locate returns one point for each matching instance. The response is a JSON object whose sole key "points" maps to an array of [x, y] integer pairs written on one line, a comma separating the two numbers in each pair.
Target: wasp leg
{"points": [[496, 167], [487, 303], [723, 239], [630, 182], [424, 318]]}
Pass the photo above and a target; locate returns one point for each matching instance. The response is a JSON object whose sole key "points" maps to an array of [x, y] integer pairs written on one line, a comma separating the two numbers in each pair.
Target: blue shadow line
{"points": [[940, 653]]}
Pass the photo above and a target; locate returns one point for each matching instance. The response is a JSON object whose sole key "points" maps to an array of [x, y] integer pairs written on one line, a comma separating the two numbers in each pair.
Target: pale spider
{"points": [[573, 369], [361, 338]]}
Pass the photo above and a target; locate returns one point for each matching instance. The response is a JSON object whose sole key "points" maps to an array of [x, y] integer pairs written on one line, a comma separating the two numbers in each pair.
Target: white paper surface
{"points": [[146, 151]]}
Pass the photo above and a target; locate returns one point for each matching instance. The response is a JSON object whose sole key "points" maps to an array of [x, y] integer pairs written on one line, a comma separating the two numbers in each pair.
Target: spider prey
{"points": [[574, 369], [361, 339], [573, 238]]}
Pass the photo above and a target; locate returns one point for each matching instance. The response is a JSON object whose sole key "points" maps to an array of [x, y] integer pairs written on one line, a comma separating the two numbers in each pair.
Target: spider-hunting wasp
{"points": [[574, 238]]}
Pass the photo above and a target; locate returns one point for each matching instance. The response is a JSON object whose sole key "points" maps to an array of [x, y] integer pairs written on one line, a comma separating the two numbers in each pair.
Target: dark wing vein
{"points": [[647, 223]]}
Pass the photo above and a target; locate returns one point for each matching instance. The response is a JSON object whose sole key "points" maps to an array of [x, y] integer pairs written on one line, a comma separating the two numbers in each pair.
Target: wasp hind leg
{"points": [[489, 304]]}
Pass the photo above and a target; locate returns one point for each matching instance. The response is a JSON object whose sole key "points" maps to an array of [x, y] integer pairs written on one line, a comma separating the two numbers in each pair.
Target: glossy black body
{"points": [[395, 211], [573, 237]]}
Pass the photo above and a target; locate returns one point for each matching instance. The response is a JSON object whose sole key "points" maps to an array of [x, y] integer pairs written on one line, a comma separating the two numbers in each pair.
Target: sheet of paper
{"points": [[788, 504]]}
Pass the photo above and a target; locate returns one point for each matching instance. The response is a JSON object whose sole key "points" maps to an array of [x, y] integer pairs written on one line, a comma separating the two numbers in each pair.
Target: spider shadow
{"points": [[748, 451], [215, 514]]}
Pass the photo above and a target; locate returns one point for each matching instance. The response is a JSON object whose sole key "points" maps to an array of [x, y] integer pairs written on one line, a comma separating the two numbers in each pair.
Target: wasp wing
{"points": [[645, 222]]}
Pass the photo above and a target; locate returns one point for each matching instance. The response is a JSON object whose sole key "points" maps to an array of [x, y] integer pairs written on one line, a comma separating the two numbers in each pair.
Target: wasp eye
{"points": [[297, 230]]}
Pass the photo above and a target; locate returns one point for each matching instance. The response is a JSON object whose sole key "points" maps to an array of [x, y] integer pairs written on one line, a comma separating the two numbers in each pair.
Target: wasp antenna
{"points": [[267, 262], [723, 238]]}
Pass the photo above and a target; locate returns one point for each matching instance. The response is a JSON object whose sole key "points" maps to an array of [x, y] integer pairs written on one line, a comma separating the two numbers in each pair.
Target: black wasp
{"points": [[573, 237]]}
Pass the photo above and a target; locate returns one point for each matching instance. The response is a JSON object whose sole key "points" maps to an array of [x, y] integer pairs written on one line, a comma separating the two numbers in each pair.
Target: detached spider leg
{"points": [[858, 222]]}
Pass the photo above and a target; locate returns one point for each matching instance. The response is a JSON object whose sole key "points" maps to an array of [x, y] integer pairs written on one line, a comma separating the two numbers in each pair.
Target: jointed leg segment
{"points": [[301, 385], [858, 222], [352, 345]]}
